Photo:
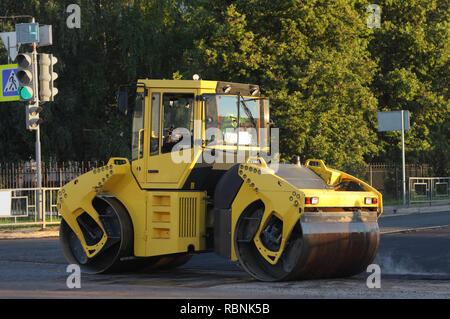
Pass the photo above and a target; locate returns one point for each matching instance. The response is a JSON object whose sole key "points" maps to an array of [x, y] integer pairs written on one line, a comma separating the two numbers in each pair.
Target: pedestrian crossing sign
{"points": [[10, 83]]}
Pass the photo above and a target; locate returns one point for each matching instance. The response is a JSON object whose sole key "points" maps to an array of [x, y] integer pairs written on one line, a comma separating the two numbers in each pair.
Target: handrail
{"points": [[260, 159], [139, 143], [321, 163]]}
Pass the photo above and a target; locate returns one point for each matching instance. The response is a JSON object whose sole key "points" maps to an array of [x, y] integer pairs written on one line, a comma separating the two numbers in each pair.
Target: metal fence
{"points": [[18, 185], [387, 178], [428, 189], [23, 174], [22, 210]]}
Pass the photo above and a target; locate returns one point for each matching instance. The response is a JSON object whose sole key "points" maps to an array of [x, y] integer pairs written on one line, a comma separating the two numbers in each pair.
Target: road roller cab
{"points": [[201, 178]]}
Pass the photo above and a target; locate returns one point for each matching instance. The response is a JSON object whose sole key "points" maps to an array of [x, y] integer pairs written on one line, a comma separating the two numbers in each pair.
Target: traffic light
{"points": [[32, 116], [25, 76], [47, 90]]}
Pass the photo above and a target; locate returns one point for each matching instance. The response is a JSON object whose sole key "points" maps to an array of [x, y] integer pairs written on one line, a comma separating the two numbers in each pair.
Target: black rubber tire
{"points": [[111, 258], [252, 261], [315, 249]]}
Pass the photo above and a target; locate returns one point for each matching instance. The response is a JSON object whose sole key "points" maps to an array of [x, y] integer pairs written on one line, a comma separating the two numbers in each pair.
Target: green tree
{"points": [[412, 47], [118, 43], [310, 58], [326, 72]]}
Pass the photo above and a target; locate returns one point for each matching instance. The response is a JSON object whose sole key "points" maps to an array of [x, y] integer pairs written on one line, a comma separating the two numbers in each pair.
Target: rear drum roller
{"points": [[165, 262], [178, 261], [321, 245], [119, 246]]}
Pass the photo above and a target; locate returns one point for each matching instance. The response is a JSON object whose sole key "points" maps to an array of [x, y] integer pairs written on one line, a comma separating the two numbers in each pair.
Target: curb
{"points": [[16, 234], [401, 211], [407, 230]]}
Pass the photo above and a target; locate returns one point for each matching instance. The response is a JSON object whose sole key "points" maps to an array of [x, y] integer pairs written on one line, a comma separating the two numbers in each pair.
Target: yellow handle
{"points": [[260, 159], [321, 163], [139, 142]]}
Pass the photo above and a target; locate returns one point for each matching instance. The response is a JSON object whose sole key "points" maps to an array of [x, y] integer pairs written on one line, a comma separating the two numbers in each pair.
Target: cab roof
{"points": [[213, 86]]}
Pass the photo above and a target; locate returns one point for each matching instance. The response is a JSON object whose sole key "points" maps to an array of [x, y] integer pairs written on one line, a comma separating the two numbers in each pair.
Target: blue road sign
{"points": [[10, 83]]}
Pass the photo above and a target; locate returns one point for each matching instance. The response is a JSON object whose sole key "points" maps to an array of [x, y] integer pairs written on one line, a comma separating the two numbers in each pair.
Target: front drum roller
{"points": [[116, 253], [321, 245]]}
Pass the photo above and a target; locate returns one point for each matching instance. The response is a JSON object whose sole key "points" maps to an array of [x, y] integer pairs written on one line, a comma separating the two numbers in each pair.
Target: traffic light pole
{"points": [[39, 204], [403, 160]]}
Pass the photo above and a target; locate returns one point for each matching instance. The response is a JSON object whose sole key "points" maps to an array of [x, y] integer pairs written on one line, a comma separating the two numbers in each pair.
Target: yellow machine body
{"points": [[163, 222], [282, 199], [167, 202]]}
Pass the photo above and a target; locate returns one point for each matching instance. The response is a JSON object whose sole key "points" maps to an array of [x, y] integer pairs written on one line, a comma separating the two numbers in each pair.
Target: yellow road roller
{"points": [[202, 177]]}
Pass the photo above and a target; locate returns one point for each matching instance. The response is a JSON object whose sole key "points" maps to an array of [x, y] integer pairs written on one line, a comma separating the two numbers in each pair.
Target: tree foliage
{"points": [[326, 72], [412, 49]]}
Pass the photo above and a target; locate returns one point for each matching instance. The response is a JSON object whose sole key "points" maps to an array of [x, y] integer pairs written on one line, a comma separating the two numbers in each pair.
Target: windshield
{"points": [[226, 123]]}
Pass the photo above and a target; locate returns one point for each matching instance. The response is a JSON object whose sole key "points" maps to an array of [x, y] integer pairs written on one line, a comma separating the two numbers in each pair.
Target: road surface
{"points": [[414, 264]]}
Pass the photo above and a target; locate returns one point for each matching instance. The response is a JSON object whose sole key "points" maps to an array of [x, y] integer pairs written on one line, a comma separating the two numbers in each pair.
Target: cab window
{"points": [[178, 120], [154, 125], [137, 138], [222, 123]]}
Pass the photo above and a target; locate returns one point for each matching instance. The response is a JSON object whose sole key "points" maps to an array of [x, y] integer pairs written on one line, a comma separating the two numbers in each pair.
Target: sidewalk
{"points": [[400, 210], [24, 233]]}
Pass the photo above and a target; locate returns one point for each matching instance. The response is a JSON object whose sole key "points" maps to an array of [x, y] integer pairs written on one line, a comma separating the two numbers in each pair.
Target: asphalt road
{"points": [[414, 264]]}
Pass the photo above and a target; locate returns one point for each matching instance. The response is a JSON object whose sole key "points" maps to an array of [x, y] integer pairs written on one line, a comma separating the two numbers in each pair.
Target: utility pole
{"points": [[27, 75], [396, 121], [39, 204], [403, 160]]}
